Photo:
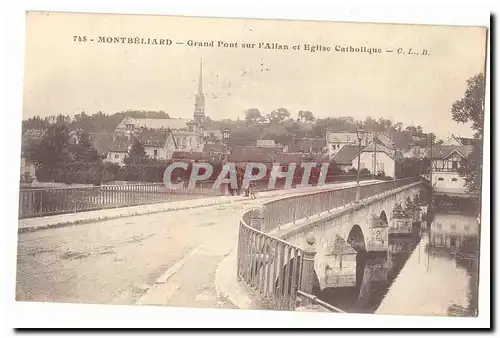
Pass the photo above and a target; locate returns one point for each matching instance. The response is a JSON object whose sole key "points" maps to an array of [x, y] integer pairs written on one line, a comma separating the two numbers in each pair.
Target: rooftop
{"points": [[442, 152], [157, 123], [346, 154]]}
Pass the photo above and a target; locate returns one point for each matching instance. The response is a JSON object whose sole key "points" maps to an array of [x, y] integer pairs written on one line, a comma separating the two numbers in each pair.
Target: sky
{"points": [[64, 76]]}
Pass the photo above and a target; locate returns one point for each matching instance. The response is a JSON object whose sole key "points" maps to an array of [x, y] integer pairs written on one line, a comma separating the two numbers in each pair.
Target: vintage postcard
{"points": [[251, 164]]}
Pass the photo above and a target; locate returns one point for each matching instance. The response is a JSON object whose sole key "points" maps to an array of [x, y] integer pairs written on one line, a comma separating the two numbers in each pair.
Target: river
{"points": [[433, 272]]}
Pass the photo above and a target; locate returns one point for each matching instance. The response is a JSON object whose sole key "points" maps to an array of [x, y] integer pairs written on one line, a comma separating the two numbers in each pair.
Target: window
{"points": [[440, 179], [380, 166], [117, 155], [129, 126], [155, 152], [454, 180]]}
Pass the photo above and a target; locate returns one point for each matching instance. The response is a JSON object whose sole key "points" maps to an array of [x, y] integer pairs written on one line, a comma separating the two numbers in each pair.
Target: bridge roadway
{"points": [[166, 258]]}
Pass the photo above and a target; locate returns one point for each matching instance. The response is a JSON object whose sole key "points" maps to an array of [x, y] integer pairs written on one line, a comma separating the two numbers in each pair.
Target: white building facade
{"points": [[446, 161]]}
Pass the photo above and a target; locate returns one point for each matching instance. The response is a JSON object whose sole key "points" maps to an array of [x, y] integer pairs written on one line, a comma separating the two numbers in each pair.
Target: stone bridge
{"points": [[341, 234], [318, 236]]}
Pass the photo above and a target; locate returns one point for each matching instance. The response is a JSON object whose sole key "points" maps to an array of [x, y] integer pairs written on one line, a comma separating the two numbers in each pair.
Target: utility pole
{"points": [[430, 176]]}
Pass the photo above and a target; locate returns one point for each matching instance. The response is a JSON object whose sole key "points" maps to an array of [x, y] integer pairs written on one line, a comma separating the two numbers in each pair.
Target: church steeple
{"points": [[199, 101]]}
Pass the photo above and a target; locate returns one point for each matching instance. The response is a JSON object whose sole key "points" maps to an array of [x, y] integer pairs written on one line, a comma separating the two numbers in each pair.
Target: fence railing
{"points": [[44, 201], [271, 267], [290, 209], [51, 201], [316, 300], [275, 269]]}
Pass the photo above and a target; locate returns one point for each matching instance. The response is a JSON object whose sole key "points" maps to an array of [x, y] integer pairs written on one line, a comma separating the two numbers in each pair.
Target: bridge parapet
{"points": [[276, 269], [269, 266], [290, 209], [38, 202]]}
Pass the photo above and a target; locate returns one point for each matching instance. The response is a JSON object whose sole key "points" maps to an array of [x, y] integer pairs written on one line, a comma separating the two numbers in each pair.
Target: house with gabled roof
{"points": [[376, 159], [446, 161]]}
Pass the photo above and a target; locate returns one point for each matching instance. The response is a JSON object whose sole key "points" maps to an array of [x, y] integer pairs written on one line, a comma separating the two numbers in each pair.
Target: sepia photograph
{"points": [[231, 163]]}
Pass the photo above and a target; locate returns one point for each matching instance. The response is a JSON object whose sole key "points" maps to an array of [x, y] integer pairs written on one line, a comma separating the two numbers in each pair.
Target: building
{"points": [[131, 126], [376, 159], [335, 141], [184, 128], [344, 157], [455, 140], [446, 160], [159, 137], [306, 145], [252, 154], [117, 151], [415, 151]]}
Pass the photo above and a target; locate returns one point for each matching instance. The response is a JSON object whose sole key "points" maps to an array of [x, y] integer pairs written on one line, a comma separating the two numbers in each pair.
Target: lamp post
{"points": [[225, 138], [359, 134]]}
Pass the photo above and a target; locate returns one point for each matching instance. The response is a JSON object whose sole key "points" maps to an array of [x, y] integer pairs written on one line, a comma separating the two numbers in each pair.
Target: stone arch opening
{"points": [[383, 217], [356, 239]]}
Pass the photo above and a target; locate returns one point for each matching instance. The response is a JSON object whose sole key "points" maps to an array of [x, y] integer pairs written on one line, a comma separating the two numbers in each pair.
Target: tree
{"points": [[398, 126], [470, 108], [52, 153], [305, 116], [252, 116], [471, 169], [412, 167], [279, 115], [84, 151], [136, 154]]}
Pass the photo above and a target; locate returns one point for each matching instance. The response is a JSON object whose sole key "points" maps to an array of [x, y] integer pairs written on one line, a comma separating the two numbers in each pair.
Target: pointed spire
{"points": [[200, 81]]}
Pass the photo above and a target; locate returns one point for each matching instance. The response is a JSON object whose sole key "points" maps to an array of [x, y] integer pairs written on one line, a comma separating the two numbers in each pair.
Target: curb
{"points": [[107, 218]]}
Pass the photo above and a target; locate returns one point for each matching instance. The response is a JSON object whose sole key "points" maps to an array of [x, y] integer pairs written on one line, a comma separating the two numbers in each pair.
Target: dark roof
{"points": [[253, 154], [287, 158], [298, 145], [106, 142], [152, 137], [189, 155], [213, 148], [120, 145], [380, 149], [441, 152], [346, 154]]}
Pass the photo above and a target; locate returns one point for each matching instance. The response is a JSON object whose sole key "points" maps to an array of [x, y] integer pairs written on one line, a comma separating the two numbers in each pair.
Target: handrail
{"points": [[316, 300], [271, 266], [268, 265], [287, 210], [53, 201]]}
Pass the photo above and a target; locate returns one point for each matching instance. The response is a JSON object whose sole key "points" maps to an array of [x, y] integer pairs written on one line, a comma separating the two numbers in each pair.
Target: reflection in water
{"points": [[428, 273]]}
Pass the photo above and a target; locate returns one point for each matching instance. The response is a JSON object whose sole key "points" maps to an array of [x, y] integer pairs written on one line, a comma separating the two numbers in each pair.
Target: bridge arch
{"points": [[356, 239], [383, 217]]}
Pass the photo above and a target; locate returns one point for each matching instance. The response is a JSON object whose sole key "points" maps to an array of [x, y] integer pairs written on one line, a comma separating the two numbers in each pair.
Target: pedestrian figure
{"points": [[251, 190]]}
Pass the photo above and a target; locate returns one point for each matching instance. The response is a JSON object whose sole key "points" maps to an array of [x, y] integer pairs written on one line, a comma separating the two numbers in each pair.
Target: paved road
{"points": [[118, 261]]}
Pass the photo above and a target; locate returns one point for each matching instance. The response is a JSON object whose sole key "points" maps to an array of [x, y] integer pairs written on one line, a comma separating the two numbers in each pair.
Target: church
{"points": [[162, 137]]}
